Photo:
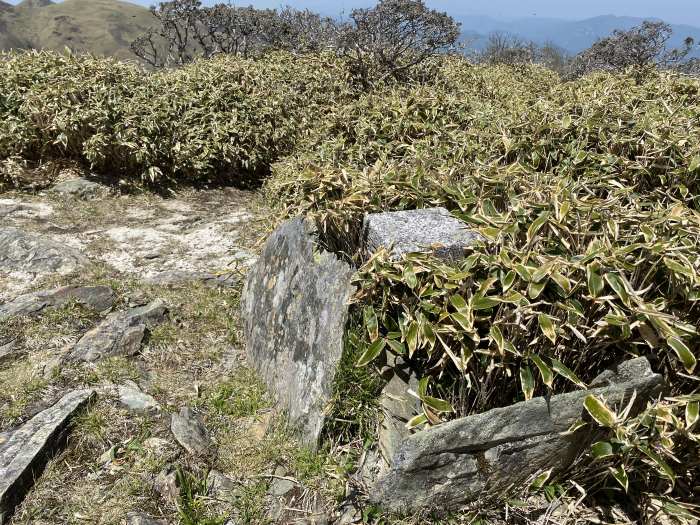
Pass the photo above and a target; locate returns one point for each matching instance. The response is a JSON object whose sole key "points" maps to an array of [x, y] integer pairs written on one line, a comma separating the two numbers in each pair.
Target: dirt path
{"points": [[123, 456]]}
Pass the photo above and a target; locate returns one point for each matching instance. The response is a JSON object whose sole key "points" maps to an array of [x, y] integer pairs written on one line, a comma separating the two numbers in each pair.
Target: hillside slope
{"points": [[103, 27]]}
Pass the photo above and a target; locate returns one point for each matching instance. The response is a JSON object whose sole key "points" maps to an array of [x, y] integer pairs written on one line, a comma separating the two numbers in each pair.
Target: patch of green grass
{"points": [[240, 396], [307, 464], [21, 385], [251, 504], [163, 335], [354, 407], [113, 370], [192, 508], [91, 425]]}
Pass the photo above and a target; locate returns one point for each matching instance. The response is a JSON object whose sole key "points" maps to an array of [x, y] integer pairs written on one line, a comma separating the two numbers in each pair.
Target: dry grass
{"points": [[193, 359]]}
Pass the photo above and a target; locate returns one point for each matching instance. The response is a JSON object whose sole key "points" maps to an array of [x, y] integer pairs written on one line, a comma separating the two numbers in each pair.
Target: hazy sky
{"points": [[676, 11]]}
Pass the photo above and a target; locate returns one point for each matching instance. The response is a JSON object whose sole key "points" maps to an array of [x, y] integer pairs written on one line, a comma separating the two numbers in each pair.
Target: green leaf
{"points": [[412, 338], [683, 352], [423, 384], [617, 284], [527, 382], [508, 280], [547, 327], [484, 303], [562, 282], [620, 474], [535, 289], [663, 467], [692, 413], [497, 337], [595, 281], [541, 479], [563, 371], [525, 272], [428, 332], [514, 297], [409, 277], [600, 411], [371, 353], [416, 421], [694, 164], [396, 346], [459, 303], [437, 405], [536, 225], [371, 322], [545, 371], [601, 449], [679, 268], [462, 320]]}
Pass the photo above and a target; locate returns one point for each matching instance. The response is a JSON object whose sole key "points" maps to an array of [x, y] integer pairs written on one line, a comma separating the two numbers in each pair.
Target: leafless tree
{"points": [[502, 48], [385, 41], [185, 30], [640, 48], [554, 57], [395, 36]]}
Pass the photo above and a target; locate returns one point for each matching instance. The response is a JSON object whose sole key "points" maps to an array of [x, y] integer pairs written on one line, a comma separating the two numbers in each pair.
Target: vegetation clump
{"points": [[586, 193], [224, 118], [586, 196]]}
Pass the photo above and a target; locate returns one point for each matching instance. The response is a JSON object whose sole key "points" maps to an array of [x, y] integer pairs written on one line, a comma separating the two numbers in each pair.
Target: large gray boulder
{"points": [[444, 467], [25, 450], [295, 306], [33, 253], [120, 334], [434, 230], [98, 298], [80, 189]]}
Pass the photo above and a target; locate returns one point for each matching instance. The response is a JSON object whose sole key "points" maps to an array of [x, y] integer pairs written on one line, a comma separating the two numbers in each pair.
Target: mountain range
{"points": [[572, 36], [103, 27], [106, 27]]}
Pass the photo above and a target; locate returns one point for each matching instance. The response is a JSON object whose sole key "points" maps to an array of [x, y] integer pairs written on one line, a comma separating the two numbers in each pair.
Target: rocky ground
{"points": [[120, 314]]}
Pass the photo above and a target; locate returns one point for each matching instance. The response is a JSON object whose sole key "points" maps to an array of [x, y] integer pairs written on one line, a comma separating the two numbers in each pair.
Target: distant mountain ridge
{"points": [[102, 27], [572, 36]]}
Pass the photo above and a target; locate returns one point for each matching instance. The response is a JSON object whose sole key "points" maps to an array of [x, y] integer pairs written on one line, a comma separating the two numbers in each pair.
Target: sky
{"points": [[674, 11]]}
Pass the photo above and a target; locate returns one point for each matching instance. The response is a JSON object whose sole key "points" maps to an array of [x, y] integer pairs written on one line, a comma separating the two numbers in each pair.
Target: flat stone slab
{"points": [[432, 229], [33, 253], [175, 277], [131, 396], [120, 334], [446, 466], [98, 298], [190, 433], [138, 518], [25, 450], [295, 306]]}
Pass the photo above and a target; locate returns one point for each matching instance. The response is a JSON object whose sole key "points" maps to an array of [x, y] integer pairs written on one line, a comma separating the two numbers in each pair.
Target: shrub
{"points": [[641, 48], [228, 117], [392, 38], [587, 195], [386, 41]]}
